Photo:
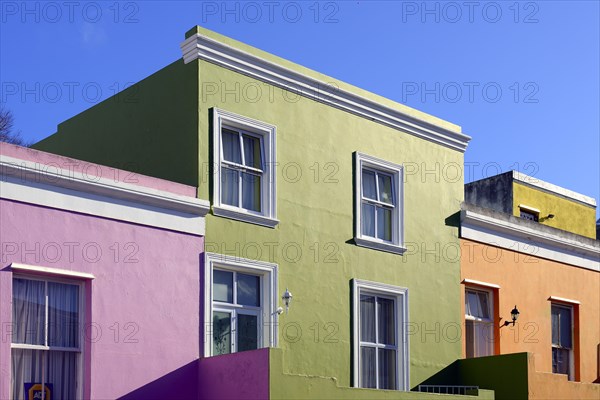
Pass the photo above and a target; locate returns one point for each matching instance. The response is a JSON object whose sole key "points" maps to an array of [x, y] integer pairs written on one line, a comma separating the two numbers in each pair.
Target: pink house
{"points": [[111, 261]]}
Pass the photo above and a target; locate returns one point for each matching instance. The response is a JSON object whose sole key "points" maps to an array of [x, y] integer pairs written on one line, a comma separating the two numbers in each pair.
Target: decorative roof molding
{"points": [[30, 182], [549, 187], [199, 46], [518, 236]]}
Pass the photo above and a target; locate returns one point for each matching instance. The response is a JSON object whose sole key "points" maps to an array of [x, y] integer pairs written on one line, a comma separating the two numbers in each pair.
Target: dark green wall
{"points": [[149, 128]]}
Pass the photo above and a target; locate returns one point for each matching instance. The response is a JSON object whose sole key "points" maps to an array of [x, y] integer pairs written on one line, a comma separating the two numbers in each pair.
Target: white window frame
{"points": [[81, 350], [396, 245], [476, 320], [266, 132], [268, 316], [400, 296], [571, 308]]}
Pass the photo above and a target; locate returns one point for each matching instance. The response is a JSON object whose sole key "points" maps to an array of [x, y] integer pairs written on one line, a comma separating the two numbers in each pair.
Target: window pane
{"points": [[26, 368], [368, 369], [560, 361], [223, 286], [565, 327], [247, 328], [248, 290], [483, 304], [221, 333], [368, 219], [368, 185], [252, 156], [62, 373], [231, 146], [387, 321], [251, 191], [483, 335], [367, 319], [63, 315], [230, 189], [387, 369], [384, 223], [470, 338], [474, 309], [555, 326], [28, 311], [385, 188]]}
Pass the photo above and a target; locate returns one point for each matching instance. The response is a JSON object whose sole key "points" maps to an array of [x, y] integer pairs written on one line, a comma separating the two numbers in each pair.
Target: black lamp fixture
{"points": [[550, 216], [514, 314]]}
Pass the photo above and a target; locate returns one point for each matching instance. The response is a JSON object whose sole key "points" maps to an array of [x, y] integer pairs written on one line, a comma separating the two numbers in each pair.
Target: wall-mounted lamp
{"points": [[287, 299], [550, 216], [514, 314]]}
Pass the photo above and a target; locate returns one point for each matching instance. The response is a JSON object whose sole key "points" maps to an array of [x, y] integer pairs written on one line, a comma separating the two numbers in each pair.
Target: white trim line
{"points": [[30, 171], [549, 187], [401, 296], [528, 208], [527, 240], [26, 182], [269, 271], [479, 283], [202, 47], [563, 300], [50, 271]]}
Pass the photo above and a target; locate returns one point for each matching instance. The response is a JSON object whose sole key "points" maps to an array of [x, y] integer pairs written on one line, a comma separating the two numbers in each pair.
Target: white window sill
{"points": [[244, 216], [376, 245]]}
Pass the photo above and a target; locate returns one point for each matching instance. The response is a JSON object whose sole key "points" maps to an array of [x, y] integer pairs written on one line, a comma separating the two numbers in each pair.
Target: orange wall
{"points": [[528, 282]]}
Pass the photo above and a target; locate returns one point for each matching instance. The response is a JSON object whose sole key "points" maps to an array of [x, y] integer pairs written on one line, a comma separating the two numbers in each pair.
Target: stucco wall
{"points": [[147, 278], [528, 282], [313, 242], [149, 128], [569, 215]]}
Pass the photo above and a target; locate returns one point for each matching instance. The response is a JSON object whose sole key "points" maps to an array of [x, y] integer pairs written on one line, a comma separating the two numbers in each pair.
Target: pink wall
{"points": [[238, 376], [147, 281]]}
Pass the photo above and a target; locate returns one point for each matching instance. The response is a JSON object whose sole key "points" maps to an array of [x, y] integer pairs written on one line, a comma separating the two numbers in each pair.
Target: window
{"points": [[380, 339], [46, 345], [240, 302], [378, 204], [244, 181], [562, 339], [529, 213], [479, 325]]}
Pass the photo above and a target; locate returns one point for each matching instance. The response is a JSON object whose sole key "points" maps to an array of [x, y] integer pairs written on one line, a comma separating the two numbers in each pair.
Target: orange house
{"points": [[529, 247]]}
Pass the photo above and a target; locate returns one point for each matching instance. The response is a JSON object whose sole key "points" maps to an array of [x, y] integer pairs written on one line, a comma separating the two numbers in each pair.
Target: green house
{"points": [[331, 265]]}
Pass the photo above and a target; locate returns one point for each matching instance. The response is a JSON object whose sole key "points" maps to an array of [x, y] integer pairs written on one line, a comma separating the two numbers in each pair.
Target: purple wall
{"points": [[147, 281], [236, 376]]}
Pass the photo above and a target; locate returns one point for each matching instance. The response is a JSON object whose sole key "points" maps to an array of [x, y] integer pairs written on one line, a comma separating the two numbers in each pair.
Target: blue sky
{"points": [[521, 78]]}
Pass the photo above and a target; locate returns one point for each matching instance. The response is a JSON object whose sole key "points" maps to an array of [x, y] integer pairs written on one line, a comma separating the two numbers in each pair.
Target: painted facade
{"points": [[318, 137], [324, 190], [125, 249], [552, 275]]}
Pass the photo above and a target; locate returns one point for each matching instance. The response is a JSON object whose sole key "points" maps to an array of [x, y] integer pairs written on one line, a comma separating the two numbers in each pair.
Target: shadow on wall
{"points": [[179, 384]]}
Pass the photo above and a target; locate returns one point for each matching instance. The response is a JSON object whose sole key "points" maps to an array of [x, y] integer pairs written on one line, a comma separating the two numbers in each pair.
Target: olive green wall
{"points": [[288, 386], [150, 128], [315, 212], [569, 215]]}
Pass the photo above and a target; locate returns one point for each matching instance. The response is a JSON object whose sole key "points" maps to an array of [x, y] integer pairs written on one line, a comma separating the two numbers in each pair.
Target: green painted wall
{"points": [[150, 128], [287, 386], [315, 214], [169, 131], [569, 215]]}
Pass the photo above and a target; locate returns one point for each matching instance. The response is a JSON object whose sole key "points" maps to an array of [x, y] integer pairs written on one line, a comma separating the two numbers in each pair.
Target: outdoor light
{"points": [[287, 299], [550, 216], [514, 314]]}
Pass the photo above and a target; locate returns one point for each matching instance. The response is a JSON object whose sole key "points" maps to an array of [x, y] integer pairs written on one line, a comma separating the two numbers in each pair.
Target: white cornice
{"points": [[202, 47], [28, 182], [516, 237], [549, 187], [50, 271]]}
